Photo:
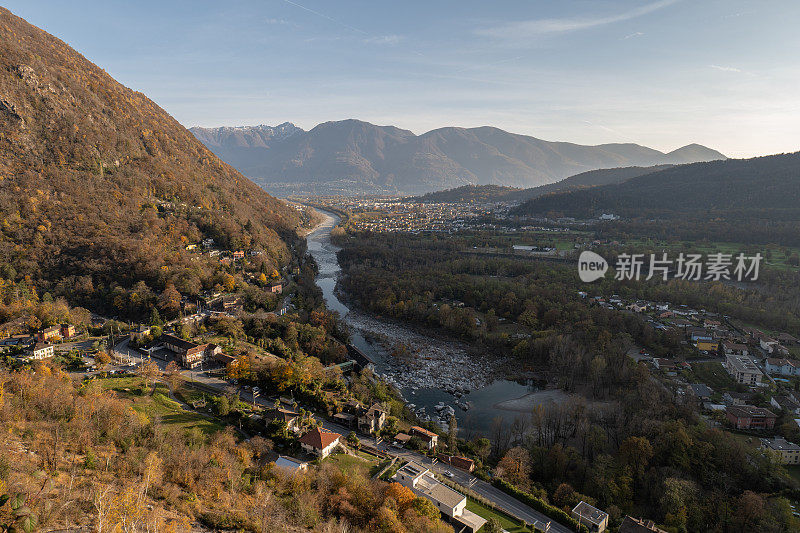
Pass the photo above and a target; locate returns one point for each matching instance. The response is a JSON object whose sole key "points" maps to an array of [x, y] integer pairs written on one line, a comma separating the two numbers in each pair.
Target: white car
{"points": [[448, 473]]}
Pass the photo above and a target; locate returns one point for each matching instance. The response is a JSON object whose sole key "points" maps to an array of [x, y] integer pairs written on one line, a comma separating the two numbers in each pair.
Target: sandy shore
{"points": [[525, 404]]}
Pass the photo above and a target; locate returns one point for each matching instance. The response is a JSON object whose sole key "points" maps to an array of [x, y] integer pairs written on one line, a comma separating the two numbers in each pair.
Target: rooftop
{"points": [[745, 411], [177, 341], [319, 438], [470, 519], [592, 514], [782, 362], [742, 363], [779, 444], [439, 492], [413, 469], [289, 462], [701, 389], [423, 431], [636, 525]]}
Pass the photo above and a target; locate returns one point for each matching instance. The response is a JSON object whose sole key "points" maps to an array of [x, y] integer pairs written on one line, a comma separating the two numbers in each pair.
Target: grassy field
{"points": [[160, 405], [794, 471], [713, 375], [778, 258], [350, 464], [393, 470], [508, 523]]}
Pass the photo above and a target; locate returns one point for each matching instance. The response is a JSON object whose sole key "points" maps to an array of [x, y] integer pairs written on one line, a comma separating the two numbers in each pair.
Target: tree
{"points": [[150, 372], [223, 405], [229, 282], [493, 526], [636, 452], [750, 510], [402, 495], [170, 300], [352, 440], [155, 318], [102, 359], [514, 467], [172, 374], [452, 435], [483, 447]]}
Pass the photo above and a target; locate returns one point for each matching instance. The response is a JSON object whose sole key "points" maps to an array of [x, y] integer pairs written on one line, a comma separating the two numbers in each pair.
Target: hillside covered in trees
{"points": [[102, 188], [770, 184], [498, 193]]}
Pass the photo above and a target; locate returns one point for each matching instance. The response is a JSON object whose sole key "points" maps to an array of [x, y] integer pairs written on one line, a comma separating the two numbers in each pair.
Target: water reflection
{"points": [[508, 400]]}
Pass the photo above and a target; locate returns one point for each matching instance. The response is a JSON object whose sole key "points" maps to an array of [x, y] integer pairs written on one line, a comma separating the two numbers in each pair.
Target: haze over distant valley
{"points": [[352, 156]]}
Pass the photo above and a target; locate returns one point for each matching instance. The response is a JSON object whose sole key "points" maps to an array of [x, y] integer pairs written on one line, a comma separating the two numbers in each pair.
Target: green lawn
{"points": [[508, 523], [794, 471], [778, 259], [348, 463], [159, 404], [713, 375], [393, 470]]}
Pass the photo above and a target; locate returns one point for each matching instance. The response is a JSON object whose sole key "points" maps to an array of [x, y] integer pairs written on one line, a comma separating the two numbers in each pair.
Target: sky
{"points": [[662, 73]]}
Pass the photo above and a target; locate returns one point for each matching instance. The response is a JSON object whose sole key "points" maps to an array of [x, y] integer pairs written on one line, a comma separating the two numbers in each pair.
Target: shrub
{"points": [[545, 508]]}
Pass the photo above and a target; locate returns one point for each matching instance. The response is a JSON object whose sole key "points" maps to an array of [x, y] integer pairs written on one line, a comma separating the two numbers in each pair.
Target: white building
{"points": [[319, 442], [783, 367], [41, 351], [591, 517], [450, 503], [743, 369], [787, 452]]}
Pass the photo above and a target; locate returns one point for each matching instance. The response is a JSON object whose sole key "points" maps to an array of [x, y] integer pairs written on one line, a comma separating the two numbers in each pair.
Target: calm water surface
{"points": [[484, 401]]}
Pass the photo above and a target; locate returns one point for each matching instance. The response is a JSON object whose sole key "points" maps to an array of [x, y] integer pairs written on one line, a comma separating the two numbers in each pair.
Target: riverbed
{"points": [[427, 370]]}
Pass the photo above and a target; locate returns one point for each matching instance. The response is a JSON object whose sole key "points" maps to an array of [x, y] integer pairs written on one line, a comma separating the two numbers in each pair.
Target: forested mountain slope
{"points": [[101, 187], [498, 193], [769, 184]]}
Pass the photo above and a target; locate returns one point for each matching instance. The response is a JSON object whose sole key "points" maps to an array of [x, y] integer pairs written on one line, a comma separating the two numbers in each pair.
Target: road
{"points": [[499, 498], [486, 490]]}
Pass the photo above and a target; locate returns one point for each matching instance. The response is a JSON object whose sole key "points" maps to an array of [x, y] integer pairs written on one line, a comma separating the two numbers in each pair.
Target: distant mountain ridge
{"points": [[355, 156], [498, 193]]}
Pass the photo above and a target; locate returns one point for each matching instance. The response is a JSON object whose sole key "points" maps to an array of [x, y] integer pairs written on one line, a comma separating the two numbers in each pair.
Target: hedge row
{"points": [[546, 509]]}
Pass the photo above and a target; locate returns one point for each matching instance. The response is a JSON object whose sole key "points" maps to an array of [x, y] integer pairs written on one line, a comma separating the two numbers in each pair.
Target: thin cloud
{"points": [[527, 28], [389, 40], [725, 69], [326, 17], [633, 35]]}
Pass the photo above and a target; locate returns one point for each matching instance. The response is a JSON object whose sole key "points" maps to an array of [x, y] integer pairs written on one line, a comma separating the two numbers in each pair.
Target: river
{"points": [[429, 371]]}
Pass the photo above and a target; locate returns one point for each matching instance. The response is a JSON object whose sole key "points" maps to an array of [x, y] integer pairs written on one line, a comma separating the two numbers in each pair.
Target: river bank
{"points": [[437, 376]]}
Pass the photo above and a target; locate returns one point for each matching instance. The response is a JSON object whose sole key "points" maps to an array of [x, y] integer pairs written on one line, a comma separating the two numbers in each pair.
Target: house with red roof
{"points": [[430, 438], [319, 442]]}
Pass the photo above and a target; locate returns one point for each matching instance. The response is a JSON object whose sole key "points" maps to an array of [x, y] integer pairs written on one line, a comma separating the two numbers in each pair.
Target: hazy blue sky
{"points": [[724, 73]]}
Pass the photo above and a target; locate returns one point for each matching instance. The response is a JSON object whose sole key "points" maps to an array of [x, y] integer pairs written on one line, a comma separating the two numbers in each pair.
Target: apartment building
{"points": [[743, 369]]}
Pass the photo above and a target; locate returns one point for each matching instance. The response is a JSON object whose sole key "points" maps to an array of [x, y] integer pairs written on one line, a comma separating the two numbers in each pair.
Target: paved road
{"points": [[502, 500]]}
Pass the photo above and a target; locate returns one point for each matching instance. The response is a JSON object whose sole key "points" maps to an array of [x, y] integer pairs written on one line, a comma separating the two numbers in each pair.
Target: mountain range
{"points": [[102, 189], [354, 156]]}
